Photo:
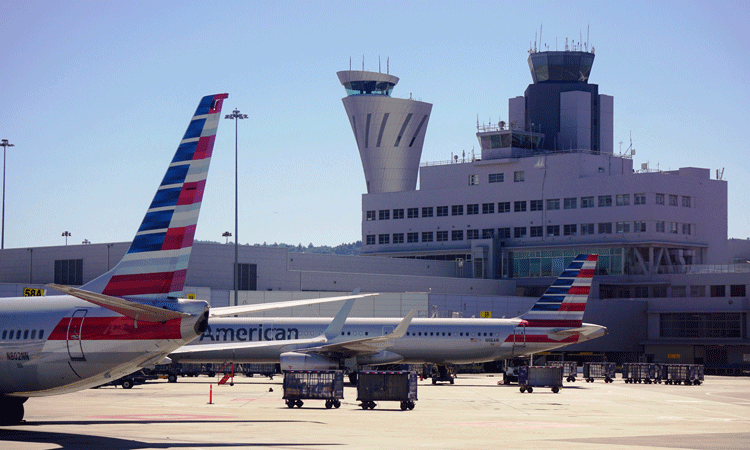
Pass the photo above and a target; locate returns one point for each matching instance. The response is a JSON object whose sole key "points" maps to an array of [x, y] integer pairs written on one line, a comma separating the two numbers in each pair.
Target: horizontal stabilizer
{"points": [[136, 311], [225, 311]]}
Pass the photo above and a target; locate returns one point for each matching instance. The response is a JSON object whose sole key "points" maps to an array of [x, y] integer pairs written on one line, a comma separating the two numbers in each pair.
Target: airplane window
{"points": [[18, 334], [430, 333], [33, 334], [5, 333], [26, 334], [41, 334], [449, 333], [367, 333]]}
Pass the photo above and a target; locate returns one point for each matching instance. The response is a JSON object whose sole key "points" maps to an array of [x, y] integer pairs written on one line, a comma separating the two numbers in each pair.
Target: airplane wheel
{"points": [[300, 403], [555, 389], [411, 405], [531, 389], [329, 404], [127, 384], [522, 389], [172, 378], [13, 414], [403, 406], [290, 403], [337, 403]]}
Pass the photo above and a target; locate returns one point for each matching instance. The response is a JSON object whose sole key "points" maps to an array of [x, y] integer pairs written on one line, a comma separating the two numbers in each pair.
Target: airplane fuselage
{"points": [[63, 344], [440, 341]]}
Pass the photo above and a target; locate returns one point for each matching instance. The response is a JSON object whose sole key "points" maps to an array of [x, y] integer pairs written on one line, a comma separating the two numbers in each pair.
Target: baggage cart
{"points": [[570, 369], [325, 385], [688, 374], [640, 373], [540, 376], [400, 386], [593, 370]]}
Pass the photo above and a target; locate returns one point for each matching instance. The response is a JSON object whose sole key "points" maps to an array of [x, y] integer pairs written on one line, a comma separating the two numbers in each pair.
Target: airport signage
{"points": [[33, 292]]}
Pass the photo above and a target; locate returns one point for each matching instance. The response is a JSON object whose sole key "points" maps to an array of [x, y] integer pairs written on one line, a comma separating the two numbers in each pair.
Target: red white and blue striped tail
{"points": [[156, 263], [564, 302]]}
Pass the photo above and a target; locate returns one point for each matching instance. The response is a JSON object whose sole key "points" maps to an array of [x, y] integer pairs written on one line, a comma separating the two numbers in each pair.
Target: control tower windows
{"points": [[369, 87], [403, 129]]}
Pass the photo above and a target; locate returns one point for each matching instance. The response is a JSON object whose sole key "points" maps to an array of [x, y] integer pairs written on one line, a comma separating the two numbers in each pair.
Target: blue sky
{"points": [[96, 95]]}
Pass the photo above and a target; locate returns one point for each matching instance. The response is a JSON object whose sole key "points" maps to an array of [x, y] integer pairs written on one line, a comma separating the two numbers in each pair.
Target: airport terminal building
{"points": [[488, 233]]}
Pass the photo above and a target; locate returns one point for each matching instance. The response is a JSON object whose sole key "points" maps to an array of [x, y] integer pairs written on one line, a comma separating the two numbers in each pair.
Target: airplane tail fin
{"points": [[156, 262], [564, 302]]}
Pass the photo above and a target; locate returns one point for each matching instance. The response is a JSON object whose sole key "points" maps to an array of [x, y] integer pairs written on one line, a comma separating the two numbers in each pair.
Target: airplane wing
{"points": [[589, 331], [365, 346], [245, 309], [332, 330], [136, 311]]}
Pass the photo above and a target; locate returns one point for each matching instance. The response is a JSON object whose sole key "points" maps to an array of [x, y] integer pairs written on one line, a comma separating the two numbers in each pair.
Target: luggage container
{"points": [[640, 373], [593, 370], [540, 376], [688, 374], [570, 369], [325, 385], [400, 386]]}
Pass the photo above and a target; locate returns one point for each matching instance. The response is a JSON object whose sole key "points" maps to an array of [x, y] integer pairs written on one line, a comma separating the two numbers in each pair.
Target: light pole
{"points": [[5, 145], [227, 235], [236, 115], [65, 234]]}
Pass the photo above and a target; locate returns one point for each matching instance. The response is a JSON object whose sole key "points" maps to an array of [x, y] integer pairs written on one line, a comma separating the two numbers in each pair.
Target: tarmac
{"points": [[474, 413]]}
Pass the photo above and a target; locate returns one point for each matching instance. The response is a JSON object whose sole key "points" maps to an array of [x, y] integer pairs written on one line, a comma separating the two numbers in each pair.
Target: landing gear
{"points": [[11, 410]]}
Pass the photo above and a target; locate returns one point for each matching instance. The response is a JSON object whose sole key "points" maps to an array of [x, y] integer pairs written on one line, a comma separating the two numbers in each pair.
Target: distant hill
{"points": [[354, 248]]}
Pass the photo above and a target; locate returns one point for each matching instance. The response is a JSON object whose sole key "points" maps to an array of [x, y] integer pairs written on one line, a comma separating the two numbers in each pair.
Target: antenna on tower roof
{"points": [[350, 63], [540, 36], [379, 71], [363, 63], [388, 65]]}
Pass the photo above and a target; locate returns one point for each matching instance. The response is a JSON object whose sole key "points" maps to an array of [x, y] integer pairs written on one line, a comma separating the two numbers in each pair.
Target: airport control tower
{"points": [[562, 105], [389, 131]]}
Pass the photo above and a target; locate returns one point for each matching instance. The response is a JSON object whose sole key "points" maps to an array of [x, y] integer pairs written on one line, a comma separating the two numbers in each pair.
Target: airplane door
{"points": [[75, 327], [519, 337]]}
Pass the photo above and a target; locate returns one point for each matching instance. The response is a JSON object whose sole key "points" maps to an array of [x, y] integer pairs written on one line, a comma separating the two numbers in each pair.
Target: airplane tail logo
{"points": [[564, 302], [156, 262]]}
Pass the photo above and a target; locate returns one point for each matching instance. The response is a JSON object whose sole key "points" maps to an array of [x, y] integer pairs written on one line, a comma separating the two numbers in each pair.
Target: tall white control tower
{"points": [[389, 131]]}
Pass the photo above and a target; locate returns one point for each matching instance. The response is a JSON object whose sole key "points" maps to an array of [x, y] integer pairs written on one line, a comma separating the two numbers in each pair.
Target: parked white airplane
{"points": [[556, 320], [59, 344]]}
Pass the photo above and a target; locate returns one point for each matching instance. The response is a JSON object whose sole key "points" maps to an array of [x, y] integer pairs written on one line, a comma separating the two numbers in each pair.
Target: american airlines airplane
{"points": [[556, 320], [130, 317]]}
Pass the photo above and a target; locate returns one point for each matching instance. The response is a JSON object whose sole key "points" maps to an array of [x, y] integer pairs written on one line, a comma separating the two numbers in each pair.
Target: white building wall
{"points": [[606, 124]]}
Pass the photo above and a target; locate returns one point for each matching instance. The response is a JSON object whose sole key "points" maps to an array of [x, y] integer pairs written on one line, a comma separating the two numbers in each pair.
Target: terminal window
{"points": [[605, 200], [519, 206], [503, 207], [441, 236], [587, 202], [702, 325], [553, 230], [398, 214], [519, 176], [488, 208], [384, 214], [472, 209], [398, 238], [370, 215], [639, 199], [672, 200], [412, 213], [496, 178], [69, 271], [442, 211], [536, 231], [427, 236], [686, 201], [536, 205], [427, 211], [659, 199], [412, 237], [570, 203], [553, 204], [623, 199]]}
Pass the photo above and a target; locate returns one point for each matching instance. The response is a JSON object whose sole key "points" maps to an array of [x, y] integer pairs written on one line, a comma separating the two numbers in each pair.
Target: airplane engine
{"points": [[304, 361], [384, 357]]}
